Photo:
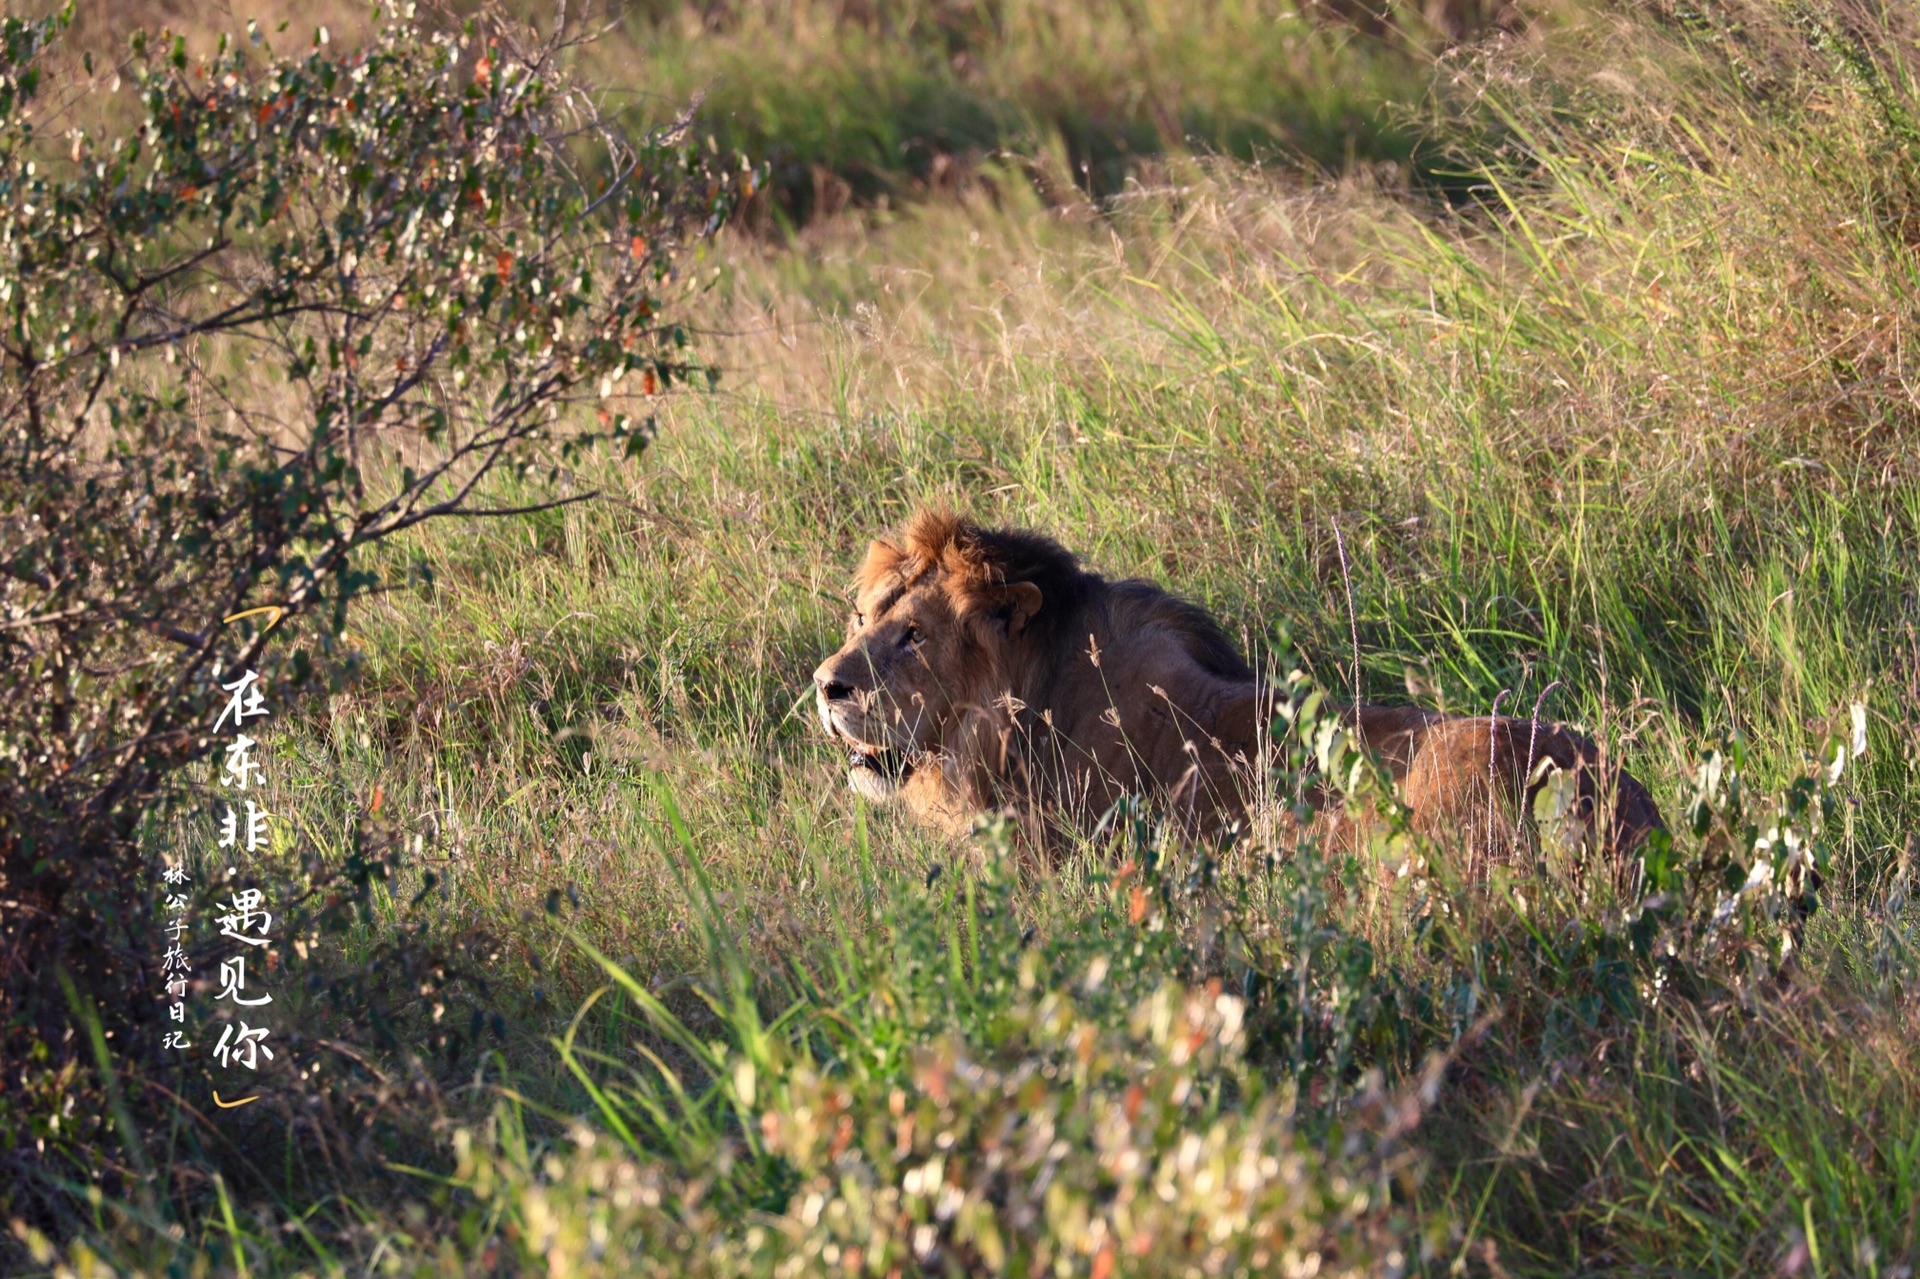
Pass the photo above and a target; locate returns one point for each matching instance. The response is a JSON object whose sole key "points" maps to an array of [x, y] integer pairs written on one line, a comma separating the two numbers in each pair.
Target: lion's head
{"points": [[941, 618]]}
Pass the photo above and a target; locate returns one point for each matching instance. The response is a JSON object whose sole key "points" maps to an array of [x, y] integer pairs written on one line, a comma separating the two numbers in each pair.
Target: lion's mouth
{"points": [[874, 771], [892, 765], [877, 775]]}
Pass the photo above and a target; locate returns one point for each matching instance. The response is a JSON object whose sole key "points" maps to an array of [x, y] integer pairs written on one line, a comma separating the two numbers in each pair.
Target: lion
{"points": [[985, 670]]}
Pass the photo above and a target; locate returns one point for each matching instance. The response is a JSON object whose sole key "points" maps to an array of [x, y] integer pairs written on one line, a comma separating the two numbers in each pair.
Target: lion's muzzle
{"points": [[875, 768], [845, 712]]}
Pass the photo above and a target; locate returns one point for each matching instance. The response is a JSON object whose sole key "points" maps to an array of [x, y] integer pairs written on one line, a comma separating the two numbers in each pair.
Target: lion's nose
{"points": [[832, 687]]}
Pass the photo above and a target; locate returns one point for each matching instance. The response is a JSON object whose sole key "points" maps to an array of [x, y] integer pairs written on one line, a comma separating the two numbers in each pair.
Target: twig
{"points": [[533, 509], [41, 618]]}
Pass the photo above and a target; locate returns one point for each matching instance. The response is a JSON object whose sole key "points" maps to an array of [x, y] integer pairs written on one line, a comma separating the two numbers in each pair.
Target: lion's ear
{"points": [[882, 558], [1012, 605]]}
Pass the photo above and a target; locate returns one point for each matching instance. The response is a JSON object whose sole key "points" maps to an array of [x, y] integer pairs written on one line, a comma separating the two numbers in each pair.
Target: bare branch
{"points": [[42, 619]]}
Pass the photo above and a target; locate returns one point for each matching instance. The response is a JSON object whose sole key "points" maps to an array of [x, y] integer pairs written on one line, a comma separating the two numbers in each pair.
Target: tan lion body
{"points": [[991, 671]]}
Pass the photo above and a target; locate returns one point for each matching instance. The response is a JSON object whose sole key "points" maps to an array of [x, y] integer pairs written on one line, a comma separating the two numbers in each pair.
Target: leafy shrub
{"points": [[303, 303], [1070, 1141]]}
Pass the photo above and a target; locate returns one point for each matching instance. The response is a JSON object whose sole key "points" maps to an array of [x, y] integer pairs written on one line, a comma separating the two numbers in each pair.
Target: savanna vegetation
{"points": [[1550, 357]]}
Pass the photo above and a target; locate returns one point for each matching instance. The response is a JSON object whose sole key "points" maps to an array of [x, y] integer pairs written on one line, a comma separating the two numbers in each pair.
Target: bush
{"points": [[305, 302]]}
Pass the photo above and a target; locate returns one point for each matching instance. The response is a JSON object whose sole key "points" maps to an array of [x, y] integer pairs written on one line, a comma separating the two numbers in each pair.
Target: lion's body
{"points": [[998, 673]]}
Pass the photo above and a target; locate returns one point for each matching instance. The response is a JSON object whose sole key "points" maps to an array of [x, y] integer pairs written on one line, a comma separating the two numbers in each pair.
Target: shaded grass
{"points": [[872, 104], [865, 102], [1702, 1141]]}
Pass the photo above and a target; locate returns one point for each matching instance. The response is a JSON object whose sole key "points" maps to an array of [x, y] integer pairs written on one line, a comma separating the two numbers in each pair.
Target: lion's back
{"points": [[1156, 615]]}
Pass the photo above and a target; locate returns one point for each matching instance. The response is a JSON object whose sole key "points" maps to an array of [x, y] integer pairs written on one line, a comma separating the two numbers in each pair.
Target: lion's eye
{"points": [[859, 618], [912, 635]]}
